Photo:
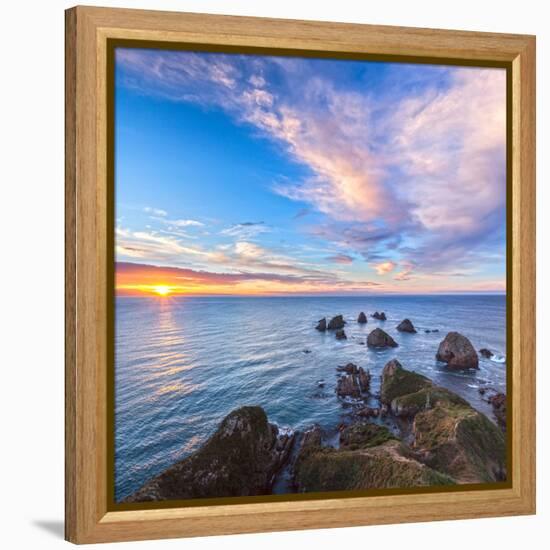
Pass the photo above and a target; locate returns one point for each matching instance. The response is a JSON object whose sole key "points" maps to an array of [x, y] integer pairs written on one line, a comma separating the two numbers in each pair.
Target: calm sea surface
{"points": [[182, 364]]}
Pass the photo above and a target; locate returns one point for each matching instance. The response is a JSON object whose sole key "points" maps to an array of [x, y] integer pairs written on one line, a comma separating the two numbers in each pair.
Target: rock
{"points": [[336, 323], [321, 383], [369, 457], [380, 316], [487, 353], [406, 326], [380, 339], [457, 351], [427, 331], [354, 384], [398, 382], [460, 442], [499, 402], [240, 459], [341, 335], [362, 319], [425, 399], [321, 325], [306, 351], [350, 368], [368, 412], [435, 330]]}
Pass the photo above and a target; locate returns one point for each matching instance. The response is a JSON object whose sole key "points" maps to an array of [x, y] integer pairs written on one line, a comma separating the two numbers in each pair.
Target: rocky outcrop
{"points": [[240, 459], [341, 335], [487, 353], [457, 351], [355, 383], [406, 326], [369, 457], [336, 323], [398, 382], [380, 339], [321, 325], [381, 316], [362, 319], [498, 401], [461, 442]]}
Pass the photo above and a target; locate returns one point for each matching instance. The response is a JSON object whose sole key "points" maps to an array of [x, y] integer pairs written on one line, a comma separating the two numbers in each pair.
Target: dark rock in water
{"points": [[322, 325], [350, 368], [499, 402], [341, 335], [406, 326], [457, 351], [380, 339], [306, 351], [240, 459], [381, 316], [487, 353], [427, 331], [361, 343], [362, 319], [369, 457], [321, 383], [354, 384], [435, 330], [336, 323]]}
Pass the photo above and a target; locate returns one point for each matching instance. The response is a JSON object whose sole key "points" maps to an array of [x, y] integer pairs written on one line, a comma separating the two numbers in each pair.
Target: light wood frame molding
{"points": [[88, 518]]}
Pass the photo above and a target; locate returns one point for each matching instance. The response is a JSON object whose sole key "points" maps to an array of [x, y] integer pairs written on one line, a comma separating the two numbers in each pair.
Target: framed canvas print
{"points": [[300, 274]]}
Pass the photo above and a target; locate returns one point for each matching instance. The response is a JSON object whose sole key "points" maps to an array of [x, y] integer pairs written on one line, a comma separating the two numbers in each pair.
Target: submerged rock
{"points": [[369, 457], [362, 319], [380, 339], [321, 325], [240, 459], [406, 326], [381, 316], [341, 335], [336, 323], [457, 351], [487, 353]]}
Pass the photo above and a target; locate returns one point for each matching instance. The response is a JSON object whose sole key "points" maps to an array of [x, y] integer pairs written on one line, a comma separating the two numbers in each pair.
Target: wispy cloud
{"points": [[411, 178]]}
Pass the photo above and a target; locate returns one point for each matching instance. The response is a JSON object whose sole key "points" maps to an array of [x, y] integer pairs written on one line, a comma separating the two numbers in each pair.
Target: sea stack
{"points": [[322, 325], [362, 319], [381, 316], [457, 351], [336, 323], [406, 326], [380, 339], [341, 335]]}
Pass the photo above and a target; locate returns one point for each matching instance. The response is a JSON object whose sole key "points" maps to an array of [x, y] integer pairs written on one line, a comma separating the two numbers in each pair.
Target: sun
{"points": [[162, 290]]}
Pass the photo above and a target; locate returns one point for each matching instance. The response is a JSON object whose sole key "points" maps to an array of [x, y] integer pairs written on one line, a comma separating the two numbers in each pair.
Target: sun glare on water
{"points": [[162, 290]]}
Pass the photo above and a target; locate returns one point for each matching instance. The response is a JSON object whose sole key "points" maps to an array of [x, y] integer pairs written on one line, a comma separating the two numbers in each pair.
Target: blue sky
{"points": [[259, 175]]}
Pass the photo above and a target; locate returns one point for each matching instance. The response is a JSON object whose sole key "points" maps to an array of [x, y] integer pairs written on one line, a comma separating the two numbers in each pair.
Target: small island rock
{"points": [[487, 353], [406, 326], [322, 325], [457, 351], [336, 323], [362, 319], [380, 339], [341, 335], [381, 316]]}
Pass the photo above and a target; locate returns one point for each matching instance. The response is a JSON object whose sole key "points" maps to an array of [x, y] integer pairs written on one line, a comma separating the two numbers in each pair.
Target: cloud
{"points": [[340, 259], [155, 211], [245, 230], [384, 267], [417, 168]]}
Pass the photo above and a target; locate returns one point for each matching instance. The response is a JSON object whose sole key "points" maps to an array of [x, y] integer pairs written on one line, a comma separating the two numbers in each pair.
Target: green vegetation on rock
{"points": [[396, 382]]}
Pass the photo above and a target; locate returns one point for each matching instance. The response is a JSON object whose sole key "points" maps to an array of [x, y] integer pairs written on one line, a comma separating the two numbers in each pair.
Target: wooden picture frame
{"points": [[89, 273]]}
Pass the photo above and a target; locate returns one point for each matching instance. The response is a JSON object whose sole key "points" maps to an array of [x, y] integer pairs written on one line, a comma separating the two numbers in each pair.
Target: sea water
{"points": [[182, 364]]}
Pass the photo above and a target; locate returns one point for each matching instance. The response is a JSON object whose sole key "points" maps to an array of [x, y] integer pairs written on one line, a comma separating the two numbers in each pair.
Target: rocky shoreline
{"points": [[418, 434]]}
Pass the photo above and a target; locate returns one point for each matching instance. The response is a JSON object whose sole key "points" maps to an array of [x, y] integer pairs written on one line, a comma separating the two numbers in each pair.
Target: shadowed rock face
{"points": [[380, 339], [362, 319], [487, 353], [240, 459], [457, 351], [398, 382], [336, 323], [354, 383], [499, 402], [381, 316], [406, 326], [322, 325]]}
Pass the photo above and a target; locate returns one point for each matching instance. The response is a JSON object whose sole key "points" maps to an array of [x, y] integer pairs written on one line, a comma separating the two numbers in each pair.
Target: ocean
{"points": [[183, 363]]}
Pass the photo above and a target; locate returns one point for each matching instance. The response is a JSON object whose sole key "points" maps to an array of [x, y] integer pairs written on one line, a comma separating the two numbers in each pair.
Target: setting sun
{"points": [[162, 290]]}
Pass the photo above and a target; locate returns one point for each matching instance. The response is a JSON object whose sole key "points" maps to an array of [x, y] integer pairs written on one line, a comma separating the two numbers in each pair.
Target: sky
{"points": [[260, 175]]}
